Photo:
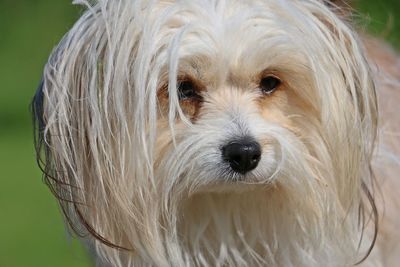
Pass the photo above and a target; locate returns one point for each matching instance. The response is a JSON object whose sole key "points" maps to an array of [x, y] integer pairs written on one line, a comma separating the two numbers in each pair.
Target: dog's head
{"points": [[209, 132]]}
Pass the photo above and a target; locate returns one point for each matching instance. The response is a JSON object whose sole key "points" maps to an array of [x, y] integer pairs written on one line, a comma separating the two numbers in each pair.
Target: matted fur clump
{"points": [[212, 133]]}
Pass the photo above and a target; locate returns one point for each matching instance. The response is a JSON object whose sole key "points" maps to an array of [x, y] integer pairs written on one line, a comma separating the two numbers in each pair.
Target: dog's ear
{"points": [[354, 83], [68, 110], [91, 111]]}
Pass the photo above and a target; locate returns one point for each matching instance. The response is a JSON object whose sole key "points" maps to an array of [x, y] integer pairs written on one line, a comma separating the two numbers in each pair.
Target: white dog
{"points": [[222, 133]]}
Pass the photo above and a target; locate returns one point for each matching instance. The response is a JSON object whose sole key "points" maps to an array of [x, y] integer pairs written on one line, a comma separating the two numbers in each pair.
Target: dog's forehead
{"points": [[221, 38]]}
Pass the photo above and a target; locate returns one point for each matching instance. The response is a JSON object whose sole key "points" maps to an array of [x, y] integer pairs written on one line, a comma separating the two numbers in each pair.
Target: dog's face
{"points": [[237, 95], [234, 108], [234, 131]]}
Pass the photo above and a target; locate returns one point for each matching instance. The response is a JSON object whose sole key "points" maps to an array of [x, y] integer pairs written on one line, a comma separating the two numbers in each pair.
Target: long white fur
{"points": [[152, 182]]}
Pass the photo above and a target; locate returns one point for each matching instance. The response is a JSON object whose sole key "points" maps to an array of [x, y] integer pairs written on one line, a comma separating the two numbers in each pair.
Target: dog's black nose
{"points": [[243, 155]]}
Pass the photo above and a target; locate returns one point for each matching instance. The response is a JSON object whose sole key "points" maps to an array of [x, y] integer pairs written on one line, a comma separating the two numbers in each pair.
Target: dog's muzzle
{"points": [[243, 155]]}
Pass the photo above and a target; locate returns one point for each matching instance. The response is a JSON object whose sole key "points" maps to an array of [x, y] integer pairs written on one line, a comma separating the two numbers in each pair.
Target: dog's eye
{"points": [[269, 84], [186, 90]]}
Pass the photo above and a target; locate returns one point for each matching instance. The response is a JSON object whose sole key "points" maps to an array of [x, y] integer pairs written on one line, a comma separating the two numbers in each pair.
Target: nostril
{"points": [[243, 155]]}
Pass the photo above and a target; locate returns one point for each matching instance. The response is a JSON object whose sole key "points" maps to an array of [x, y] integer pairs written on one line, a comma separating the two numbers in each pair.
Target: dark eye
{"points": [[269, 84], [186, 90]]}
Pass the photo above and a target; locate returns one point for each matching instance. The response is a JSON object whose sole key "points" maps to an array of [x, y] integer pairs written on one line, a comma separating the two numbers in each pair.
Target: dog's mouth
{"points": [[224, 188], [235, 183], [241, 177]]}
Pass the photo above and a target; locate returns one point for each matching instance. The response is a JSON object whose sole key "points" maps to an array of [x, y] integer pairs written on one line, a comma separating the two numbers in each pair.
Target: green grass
{"points": [[382, 18], [31, 229], [32, 232]]}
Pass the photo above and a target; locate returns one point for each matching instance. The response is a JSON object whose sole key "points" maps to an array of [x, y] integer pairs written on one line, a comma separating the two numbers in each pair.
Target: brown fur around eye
{"points": [[190, 105]]}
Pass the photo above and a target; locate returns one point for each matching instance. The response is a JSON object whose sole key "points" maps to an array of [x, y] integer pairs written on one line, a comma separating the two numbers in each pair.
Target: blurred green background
{"points": [[31, 229]]}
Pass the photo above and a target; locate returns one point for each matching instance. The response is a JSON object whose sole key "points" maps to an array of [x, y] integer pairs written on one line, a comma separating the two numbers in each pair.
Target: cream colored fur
{"points": [[145, 184]]}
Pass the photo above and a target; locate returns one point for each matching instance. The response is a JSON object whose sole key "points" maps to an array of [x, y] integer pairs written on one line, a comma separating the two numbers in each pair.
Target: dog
{"points": [[223, 133]]}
